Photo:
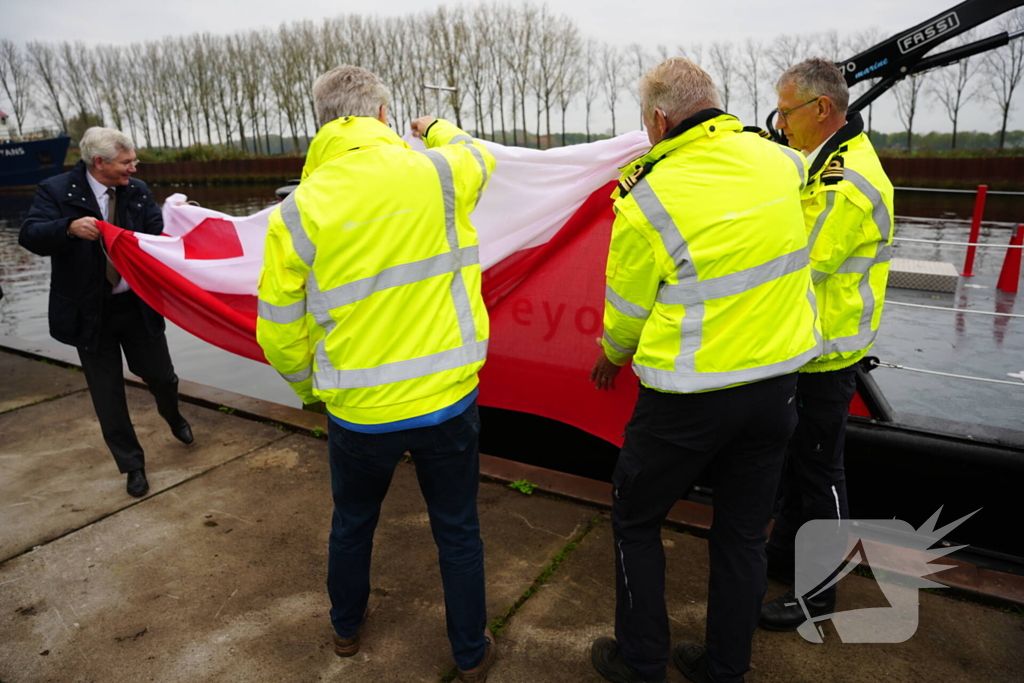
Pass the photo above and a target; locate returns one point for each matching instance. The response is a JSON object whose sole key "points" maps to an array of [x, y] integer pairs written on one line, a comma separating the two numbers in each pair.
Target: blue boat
{"points": [[25, 163]]}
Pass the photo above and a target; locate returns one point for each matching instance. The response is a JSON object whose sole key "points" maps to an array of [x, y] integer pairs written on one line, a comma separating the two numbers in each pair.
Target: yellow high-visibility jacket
{"points": [[708, 282], [369, 297], [848, 209]]}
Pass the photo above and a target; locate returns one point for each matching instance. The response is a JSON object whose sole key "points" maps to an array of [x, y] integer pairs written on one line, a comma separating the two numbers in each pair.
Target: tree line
{"points": [[516, 69]]}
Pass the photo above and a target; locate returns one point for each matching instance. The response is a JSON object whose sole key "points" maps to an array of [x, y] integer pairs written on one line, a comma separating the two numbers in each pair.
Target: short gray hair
{"points": [[816, 77], [679, 88], [105, 143], [349, 91]]}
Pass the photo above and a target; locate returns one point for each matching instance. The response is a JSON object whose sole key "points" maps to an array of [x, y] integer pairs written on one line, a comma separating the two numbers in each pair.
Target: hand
{"points": [[604, 373], [420, 125], [84, 228]]}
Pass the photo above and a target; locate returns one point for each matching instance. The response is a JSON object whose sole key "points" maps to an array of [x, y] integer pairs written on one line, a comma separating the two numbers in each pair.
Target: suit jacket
{"points": [[78, 286]]}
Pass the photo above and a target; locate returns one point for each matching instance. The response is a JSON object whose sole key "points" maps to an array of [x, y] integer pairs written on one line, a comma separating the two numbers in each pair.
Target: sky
{"points": [[667, 22]]}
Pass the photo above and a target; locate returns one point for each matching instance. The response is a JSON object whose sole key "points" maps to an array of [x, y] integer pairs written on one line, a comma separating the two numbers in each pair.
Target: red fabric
{"points": [[214, 238], [224, 320], [546, 306]]}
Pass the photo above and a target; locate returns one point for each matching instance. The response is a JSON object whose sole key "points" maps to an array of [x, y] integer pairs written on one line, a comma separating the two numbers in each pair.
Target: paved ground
{"points": [[218, 574]]}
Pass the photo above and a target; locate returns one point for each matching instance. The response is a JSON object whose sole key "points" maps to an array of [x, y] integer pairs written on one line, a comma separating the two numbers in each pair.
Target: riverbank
{"points": [[218, 573], [999, 173]]}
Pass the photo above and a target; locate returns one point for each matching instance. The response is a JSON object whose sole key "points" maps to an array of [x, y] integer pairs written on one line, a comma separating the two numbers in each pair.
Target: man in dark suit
{"points": [[91, 306]]}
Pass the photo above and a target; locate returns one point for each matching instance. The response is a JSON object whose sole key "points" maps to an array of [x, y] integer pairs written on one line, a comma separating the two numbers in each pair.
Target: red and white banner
{"points": [[544, 224]]}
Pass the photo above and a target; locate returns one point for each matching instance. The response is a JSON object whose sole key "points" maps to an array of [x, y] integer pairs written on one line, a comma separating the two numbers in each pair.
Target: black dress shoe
{"points": [[609, 662], [137, 484], [182, 431], [689, 658], [785, 614]]}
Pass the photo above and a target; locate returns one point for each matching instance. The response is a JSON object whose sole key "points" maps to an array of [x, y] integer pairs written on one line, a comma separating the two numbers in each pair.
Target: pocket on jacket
{"points": [[65, 318]]}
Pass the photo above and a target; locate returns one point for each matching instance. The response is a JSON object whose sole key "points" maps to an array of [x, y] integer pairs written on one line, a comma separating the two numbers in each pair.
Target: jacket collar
{"points": [[345, 135], [692, 128], [854, 127]]}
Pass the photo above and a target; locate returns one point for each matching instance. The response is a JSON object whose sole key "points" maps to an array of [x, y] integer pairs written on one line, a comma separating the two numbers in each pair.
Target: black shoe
{"points": [[182, 431], [609, 662], [689, 658], [785, 614], [137, 484]]}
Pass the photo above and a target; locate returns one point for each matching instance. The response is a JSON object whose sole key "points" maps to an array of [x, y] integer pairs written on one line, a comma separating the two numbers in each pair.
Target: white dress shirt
{"points": [[814, 155], [103, 199]]}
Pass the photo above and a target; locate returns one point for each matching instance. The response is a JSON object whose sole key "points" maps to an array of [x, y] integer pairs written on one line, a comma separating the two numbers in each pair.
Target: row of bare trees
{"points": [[515, 69]]}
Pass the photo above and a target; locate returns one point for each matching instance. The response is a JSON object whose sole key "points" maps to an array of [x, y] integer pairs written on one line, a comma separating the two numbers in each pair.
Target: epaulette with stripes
{"points": [[630, 181], [833, 173], [760, 131]]}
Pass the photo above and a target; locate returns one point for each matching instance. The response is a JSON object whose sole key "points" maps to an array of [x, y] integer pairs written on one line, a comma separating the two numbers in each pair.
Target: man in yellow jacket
{"points": [[709, 293], [848, 212], [369, 300]]}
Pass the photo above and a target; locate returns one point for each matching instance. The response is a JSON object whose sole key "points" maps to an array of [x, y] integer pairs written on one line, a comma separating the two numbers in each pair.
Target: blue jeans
{"points": [[447, 459]]}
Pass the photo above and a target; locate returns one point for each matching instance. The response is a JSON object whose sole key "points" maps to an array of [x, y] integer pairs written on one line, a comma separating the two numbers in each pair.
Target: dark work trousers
{"points": [[813, 484], [739, 435], [124, 329], [447, 459]]}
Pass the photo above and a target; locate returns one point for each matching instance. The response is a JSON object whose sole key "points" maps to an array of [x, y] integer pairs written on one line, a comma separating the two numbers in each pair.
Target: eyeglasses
{"points": [[133, 162], [782, 114]]}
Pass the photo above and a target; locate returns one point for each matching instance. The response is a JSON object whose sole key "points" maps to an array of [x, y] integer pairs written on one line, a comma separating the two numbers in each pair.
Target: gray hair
{"points": [[349, 91], [679, 88], [105, 143], [817, 77]]}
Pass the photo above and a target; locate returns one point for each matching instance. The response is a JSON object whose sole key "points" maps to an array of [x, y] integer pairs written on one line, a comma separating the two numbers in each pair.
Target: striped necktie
{"points": [[113, 277]]}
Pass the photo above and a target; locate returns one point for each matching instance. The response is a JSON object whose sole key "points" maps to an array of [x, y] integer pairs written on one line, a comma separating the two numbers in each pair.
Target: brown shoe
{"points": [[479, 673], [346, 647]]}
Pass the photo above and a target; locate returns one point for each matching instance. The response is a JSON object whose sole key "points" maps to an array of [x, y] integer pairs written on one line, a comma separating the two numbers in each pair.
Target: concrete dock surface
{"points": [[218, 573]]}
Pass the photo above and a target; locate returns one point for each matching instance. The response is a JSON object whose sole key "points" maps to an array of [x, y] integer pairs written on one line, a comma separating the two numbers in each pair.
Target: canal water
{"points": [[933, 340]]}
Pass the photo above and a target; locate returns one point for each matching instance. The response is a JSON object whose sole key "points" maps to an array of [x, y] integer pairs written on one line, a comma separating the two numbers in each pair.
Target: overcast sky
{"points": [[650, 22]]}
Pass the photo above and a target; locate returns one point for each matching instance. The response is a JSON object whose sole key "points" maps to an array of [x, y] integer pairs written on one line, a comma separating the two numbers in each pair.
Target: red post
{"points": [[1009, 276], [979, 209]]}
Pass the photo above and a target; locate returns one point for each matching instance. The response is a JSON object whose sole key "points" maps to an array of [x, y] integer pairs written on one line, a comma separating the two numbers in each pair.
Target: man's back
{"points": [[381, 237], [721, 213]]}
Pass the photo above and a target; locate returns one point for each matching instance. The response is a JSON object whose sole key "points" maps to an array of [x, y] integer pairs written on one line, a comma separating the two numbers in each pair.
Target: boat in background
{"points": [[27, 159]]}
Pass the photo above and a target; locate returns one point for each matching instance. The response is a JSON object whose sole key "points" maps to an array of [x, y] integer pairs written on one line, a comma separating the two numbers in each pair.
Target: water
{"points": [[973, 345]]}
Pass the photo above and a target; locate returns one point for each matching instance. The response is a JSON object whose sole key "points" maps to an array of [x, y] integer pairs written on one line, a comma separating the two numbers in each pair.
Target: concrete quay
{"points": [[218, 573]]}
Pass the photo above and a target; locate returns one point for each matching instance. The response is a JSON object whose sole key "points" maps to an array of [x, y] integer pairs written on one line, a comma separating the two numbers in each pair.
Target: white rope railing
{"points": [[894, 366], [960, 244], [950, 309]]}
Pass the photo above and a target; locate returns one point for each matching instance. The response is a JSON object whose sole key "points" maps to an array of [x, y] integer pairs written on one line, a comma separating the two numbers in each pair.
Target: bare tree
{"points": [[907, 93], [16, 81], [950, 85], [448, 33], [638, 60], [45, 65], [1005, 69], [752, 72], [591, 78], [611, 79], [723, 61], [570, 71]]}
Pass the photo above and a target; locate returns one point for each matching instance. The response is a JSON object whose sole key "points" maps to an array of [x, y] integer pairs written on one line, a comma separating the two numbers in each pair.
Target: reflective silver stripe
{"points": [[692, 326], [688, 382], [818, 276], [799, 161], [300, 240], [315, 300], [483, 172], [300, 376], [855, 342], [396, 276], [861, 264], [830, 200], [327, 377], [460, 295], [624, 307], [879, 211], [692, 291], [282, 314], [462, 137], [617, 347], [444, 171]]}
